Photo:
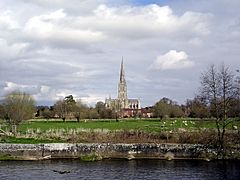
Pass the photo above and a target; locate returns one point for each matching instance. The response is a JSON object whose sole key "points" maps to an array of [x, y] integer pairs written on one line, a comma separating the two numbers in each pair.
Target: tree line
{"points": [[69, 108]]}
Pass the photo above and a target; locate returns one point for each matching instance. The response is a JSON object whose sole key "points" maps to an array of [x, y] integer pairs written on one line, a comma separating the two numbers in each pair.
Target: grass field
{"points": [[178, 130], [147, 125]]}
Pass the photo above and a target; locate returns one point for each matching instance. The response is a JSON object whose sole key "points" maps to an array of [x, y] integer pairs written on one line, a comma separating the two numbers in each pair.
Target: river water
{"points": [[120, 169]]}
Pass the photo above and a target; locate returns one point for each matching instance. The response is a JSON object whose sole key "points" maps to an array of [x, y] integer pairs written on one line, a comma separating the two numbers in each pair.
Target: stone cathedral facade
{"points": [[126, 107]]}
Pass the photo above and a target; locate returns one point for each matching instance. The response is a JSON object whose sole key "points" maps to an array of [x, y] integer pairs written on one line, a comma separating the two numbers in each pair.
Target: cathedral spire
{"points": [[122, 88], [122, 74]]}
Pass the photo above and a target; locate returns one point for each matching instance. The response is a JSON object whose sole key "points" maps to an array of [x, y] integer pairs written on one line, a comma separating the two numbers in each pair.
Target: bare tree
{"points": [[67, 108], [80, 110], [60, 108], [217, 88], [18, 106], [238, 93]]}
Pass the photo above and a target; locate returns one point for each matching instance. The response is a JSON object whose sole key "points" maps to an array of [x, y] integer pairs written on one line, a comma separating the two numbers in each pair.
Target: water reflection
{"points": [[120, 169]]}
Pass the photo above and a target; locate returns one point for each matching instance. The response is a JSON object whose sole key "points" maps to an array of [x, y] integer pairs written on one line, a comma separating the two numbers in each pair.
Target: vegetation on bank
{"points": [[8, 157], [25, 140], [177, 130], [90, 157]]}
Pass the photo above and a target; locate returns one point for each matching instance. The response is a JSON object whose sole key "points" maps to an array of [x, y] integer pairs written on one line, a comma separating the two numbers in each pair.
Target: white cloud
{"points": [[40, 93], [172, 60], [82, 6], [44, 89], [111, 23], [7, 20], [198, 22], [91, 99], [11, 86], [58, 28], [45, 93], [147, 21], [8, 50]]}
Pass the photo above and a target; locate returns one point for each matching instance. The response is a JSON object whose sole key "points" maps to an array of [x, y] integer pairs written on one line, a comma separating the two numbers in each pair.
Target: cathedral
{"points": [[126, 107]]}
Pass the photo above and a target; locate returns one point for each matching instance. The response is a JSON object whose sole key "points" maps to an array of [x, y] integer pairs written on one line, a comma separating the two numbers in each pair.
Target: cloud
{"points": [[195, 41], [7, 21], [82, 6], [148, 21], [11, 86], [39, 92], [57, 28], [91, 99], [112, 23], [11, 50], [172, 60]]}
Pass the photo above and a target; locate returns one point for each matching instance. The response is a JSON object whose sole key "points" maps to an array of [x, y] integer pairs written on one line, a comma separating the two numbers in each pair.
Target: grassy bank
{"points": [[24, 140], [125, 131]]}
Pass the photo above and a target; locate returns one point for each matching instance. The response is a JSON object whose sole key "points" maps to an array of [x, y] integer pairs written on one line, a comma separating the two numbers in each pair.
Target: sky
{"points": [[55, 48]]}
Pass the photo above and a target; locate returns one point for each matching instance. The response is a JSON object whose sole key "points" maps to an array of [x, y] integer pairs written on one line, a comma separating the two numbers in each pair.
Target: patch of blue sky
{"points": [[146, 2]]}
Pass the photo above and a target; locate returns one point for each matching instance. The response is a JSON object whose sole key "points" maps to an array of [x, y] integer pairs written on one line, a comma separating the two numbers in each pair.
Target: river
{"points": [[120, 169]]}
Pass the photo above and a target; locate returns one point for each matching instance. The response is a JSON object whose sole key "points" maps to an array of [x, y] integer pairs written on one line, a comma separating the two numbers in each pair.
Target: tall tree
{"points": [[167, 108], [81, 111], [217, 88], [101, 109], [70, 103], [18, 106], [65, 108], [197, 108], [2, 112], [60, 108], [161, 109], [47, 113], [93, 114], [238, 93]]}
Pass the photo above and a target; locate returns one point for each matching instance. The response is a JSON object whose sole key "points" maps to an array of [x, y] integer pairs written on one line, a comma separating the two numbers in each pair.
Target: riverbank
{"points": [[99, 151]]}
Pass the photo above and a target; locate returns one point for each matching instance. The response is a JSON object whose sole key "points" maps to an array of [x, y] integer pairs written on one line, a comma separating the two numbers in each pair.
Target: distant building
{"points": [[122, 105], [147, 112]]}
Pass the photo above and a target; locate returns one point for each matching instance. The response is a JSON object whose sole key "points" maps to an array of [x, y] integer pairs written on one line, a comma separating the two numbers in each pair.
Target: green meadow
{"points": [[147, 125], [176, 130]]}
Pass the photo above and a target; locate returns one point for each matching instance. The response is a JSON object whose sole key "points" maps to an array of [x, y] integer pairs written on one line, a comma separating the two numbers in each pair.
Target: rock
{"points": [[169, 156], [130, 157], [61, 172]]}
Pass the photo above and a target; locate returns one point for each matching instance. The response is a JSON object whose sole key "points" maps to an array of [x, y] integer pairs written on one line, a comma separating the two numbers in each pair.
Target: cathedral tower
{"points": [[122, 89], [122, 105]]}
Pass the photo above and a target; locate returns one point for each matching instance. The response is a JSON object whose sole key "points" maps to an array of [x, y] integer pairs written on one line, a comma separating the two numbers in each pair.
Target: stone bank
{"points": [[99, 151]]}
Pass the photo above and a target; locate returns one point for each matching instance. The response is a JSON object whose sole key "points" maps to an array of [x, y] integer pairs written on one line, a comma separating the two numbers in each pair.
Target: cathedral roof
{"points": [[133, 100]]}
